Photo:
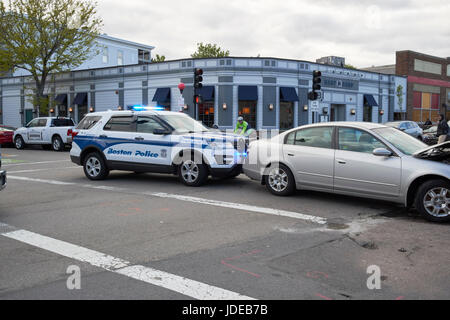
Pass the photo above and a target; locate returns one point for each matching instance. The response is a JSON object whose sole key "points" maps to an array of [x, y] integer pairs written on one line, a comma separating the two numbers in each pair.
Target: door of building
{"points": [[28, 115], [337, 112]]}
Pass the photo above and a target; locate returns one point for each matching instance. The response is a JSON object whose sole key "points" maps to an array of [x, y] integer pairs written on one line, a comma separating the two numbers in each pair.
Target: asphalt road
{"points": [[146, 236]]}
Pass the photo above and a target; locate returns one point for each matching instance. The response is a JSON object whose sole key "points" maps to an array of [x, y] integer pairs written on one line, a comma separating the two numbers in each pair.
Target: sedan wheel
{"points": [[433, 200], [437, 201], [280, 180]]}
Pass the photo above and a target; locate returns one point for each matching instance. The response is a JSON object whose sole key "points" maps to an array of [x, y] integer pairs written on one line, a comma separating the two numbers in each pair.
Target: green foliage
{"points": [[158, 58], [46, 37], [209, 51], [349, 66]]}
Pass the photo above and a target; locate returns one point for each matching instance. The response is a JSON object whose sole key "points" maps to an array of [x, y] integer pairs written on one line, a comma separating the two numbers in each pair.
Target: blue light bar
{"points": [[146, 108]]}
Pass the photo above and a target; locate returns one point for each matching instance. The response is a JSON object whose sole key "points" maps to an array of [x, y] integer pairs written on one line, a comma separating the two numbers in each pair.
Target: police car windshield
{"points": [[184, 124]]}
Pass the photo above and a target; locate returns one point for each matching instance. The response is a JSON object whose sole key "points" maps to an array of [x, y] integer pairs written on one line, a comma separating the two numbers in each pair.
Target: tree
{"points": [[349, 66], [45, 37], [400, 99], [158, 58], [209, 51]]}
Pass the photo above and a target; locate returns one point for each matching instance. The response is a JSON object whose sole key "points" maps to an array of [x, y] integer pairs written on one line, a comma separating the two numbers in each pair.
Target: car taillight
{"points": [[72, 133]]}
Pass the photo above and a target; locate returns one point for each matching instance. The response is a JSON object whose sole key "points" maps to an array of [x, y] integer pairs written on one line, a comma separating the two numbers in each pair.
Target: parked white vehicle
{"points": [[50, 132]]}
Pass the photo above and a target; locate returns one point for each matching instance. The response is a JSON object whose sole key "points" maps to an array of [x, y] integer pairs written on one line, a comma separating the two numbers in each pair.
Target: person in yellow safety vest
{"points": [[241, 126]]}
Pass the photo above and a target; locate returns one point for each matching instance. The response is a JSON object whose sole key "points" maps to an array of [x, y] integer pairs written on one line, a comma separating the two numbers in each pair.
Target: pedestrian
{"points": [[428, 122], [442, 129]]}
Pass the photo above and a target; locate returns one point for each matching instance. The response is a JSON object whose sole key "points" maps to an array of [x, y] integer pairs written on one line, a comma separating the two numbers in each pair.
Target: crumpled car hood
{"points": [[438, 152]]}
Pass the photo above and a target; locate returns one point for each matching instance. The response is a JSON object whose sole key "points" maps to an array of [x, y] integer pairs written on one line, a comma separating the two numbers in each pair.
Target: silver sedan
{"points": [[359, 159]]}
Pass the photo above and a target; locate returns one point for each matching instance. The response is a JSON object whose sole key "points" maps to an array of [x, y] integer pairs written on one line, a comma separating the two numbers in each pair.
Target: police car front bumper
{"points": [[2, 180]]}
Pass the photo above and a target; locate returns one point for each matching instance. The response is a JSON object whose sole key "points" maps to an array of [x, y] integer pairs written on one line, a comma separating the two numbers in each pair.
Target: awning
{"points": [[61, 98], [207, 93], [162, 95], [288, 94], [370, 100], [248, 93], [80, 98]]}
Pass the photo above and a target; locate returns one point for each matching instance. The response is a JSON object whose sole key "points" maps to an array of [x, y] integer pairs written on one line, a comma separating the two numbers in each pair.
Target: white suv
{"points": [[155, 141]]}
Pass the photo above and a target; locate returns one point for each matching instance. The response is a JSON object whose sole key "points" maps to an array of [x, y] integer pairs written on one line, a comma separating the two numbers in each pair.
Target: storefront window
{"points": [[206, 113], [367, 114], [286, 115], [247, 109]]}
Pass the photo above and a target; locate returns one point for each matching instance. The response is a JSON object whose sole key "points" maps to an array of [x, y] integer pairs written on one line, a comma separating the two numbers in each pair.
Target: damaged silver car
{"points": [[357, 159]]}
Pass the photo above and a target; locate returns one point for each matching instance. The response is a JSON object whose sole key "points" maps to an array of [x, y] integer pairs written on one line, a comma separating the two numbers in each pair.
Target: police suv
{"points": [[155, 141]]}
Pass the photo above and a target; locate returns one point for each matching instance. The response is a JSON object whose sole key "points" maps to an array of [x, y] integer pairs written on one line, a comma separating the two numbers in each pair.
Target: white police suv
{"points": [[155, 141]]}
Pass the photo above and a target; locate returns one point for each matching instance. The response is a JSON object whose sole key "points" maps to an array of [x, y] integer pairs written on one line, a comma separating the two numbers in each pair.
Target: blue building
{"points": [[270, 93]]}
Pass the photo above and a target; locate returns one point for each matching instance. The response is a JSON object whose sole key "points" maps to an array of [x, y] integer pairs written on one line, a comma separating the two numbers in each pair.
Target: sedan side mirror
{"points": [[161, 132], [382, 152]]}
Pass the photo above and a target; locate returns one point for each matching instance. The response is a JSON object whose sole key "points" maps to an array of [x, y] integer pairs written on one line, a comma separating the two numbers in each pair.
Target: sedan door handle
{"points": [[291, 155], [139, 139], [342, 162]]}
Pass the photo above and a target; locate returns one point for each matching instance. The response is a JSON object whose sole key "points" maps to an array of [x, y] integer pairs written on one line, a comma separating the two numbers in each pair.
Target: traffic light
{"points": [[198, 78], [317, 80], [198, 99]]}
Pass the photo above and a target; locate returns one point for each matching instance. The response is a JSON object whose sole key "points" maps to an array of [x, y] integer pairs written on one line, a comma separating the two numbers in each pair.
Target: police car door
{"points": [[152, 148], [117, 140]]}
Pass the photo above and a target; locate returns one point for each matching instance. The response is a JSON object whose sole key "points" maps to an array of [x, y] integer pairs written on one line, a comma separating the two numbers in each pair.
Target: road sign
{"points": [[315, 106]]}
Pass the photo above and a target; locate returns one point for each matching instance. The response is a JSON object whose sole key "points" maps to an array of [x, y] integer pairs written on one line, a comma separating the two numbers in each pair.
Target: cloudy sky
{"points": [[365, 32]]}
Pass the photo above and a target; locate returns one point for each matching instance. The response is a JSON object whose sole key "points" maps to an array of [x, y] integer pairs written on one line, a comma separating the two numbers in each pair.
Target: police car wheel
{"points": [[280, 181], [94, 167], [192, 174], [19, 143], [57, 144]]}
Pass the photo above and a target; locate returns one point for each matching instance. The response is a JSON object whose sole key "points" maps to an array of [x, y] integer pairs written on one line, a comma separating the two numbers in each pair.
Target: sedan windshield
{"points": [[183, 124], [402, 141]]}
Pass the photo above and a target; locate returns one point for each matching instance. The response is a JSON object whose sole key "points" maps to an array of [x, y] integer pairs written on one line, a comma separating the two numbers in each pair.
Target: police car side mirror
{"points": [[161, 131]]}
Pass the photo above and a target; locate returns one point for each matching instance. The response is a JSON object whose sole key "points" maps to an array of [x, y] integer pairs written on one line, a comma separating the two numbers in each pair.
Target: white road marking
{"points": [[243, 207], [216, 203], [187, 287], [37, 170], [31, 163], [42, 180]]}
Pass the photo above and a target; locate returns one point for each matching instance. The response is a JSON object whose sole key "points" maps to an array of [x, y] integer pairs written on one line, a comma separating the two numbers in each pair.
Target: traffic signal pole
{"points": [[197, 85]]}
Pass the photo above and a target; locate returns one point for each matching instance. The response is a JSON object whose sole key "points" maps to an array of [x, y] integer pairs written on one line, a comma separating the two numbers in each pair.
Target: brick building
{"points": [[428, 92]]}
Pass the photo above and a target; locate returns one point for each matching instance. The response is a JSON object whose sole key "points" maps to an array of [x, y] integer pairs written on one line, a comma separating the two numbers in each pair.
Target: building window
{"points": [[120, 57], [105, 57], [286, 115], [426, 66], [247, 109], [206, 113], [367, 113], [144, 56]]}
